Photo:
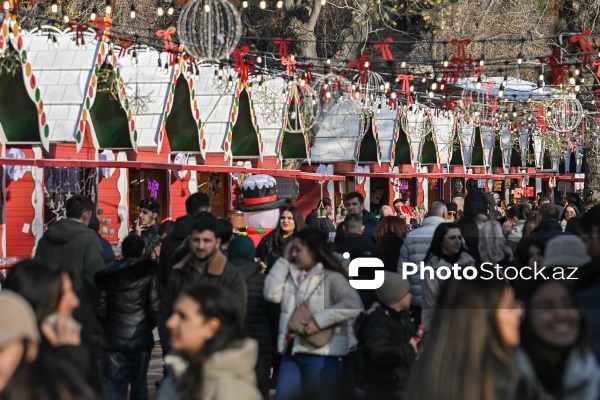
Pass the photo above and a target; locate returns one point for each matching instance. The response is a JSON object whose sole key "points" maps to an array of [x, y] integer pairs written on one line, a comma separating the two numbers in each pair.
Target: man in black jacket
{"points": [[127, 307], [325, 224], [196, 203], [355, 204], [146, 226], [205, 264], [548, 225]]}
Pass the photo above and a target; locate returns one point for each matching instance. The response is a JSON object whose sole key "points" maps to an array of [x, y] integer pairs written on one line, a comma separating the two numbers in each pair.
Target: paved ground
{"points": [[154, 371]]}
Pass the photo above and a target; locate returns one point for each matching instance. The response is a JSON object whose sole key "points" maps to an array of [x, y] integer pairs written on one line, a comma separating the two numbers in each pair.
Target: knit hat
{"points": [[452, 207], [566, 251], [241, 247], [17, 319], [386, 211], [394, 288], [475, 203]]}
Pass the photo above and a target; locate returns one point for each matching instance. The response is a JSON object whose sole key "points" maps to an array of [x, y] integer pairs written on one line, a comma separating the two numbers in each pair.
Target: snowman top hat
{"points": [[260, 193]]}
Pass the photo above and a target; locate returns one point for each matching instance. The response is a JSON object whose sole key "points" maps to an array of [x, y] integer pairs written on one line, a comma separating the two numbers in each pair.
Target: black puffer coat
{"points": [[128, 304], [384, 338]]}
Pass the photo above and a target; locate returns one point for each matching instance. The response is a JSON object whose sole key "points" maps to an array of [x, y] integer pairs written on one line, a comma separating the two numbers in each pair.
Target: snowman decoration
{"points": [[260, 205]]}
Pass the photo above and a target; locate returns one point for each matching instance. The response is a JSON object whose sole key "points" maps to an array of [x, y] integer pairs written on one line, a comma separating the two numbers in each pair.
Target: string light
{"points": [[160, 64], [245, 4], [94, 13], [54, 42], [49, 39], [323, 2], [108, 7], [65, 18], [259, 60], [171, 9], [520, 59], [132, 13], [263, 4], [206, 8], [478, 83], [159, 9], [54, 7], [6, 5], [279, 4]]}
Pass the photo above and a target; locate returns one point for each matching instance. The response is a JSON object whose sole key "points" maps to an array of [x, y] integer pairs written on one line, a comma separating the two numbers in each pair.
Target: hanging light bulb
{"points": [[403, 64], [328, 61], [379, 108], [159, 64], [94, 14], [501, 92], [166, 69], [263, 4], [49, 39], [445, 63], [482, 60], [279, 4], [434, 85], [6, 5], [66, 18], [132, 12], [108, 7], [430, 95], [541, 77], [577, 88], [54, 7], [159, 9], [571, 79], [323, 2], [514, 111], [245, 4], [478, 83], [206, 8], [54, 42], [171, 9], [520, 59], [197, 76]]}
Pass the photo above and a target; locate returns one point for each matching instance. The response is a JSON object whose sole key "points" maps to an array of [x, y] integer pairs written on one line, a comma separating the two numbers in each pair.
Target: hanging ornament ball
{"points": [[568, 113], [209, 29]]}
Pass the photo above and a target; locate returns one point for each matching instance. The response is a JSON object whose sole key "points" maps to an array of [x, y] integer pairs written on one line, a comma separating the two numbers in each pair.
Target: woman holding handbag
{"points": [[316, 304]]}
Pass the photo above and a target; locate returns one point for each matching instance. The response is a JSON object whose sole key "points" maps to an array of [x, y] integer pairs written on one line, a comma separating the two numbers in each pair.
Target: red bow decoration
{"points": [[586, 47], [385, 49], [79, 29], [308, 76], [192, 66], [173, 55], [597, 64], [406, 87], [542, 123], [493, 106], [393, 103], [241, 66], [125, 44], [363, 66], [461, 61], [558, 70], [100, 27], [489, 88], [166, 34], [283, 44], [290, 64], [338, 72]]}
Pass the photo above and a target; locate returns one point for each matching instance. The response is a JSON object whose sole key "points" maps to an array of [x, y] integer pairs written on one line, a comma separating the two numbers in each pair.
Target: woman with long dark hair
{"points": [[468, 352], [271, 246], [390, 236], [214, 360], [447, 248], [49, 290], [310, 276], [555, 347]]}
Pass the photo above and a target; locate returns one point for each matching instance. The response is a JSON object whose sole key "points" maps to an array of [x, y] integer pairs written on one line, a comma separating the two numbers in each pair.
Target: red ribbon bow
{"points": [[385, 49], [125, 44], [542, 123], [241, 66], [290, 64], [586, 47], [406, 87], [100, 27], [192, 66], [166, 34], [461, 52], [362, 64], [558, 70], [597, 64], [283, 44], [79, 29], [173, 55], [308, 76]]}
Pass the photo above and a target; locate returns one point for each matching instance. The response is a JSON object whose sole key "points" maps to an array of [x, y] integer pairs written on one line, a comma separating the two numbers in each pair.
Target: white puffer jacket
{"points": [[332, 301], [414, 249]]}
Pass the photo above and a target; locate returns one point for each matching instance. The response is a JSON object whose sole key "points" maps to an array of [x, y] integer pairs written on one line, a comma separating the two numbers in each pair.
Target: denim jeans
{"points": [[308, 376], [124, 368]]}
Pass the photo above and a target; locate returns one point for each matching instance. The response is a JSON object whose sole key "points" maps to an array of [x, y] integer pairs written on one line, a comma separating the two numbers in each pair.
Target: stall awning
{"points": [[441, 175], [173, 167]]}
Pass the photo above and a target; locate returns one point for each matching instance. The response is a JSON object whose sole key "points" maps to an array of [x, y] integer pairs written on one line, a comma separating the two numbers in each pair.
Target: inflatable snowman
{"points": [[260, 205]]}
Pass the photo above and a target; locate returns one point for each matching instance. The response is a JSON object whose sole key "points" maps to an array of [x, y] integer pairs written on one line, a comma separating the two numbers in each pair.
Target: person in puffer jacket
{"points": [[414, 249], [309, 272], [127, 308]]}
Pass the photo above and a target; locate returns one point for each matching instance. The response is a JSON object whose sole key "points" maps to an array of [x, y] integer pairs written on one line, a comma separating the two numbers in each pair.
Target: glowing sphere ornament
{"points": [[209, 29]]}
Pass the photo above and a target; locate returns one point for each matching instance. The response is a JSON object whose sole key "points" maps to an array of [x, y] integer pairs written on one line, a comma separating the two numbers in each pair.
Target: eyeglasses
{"points": [[452, 213]]}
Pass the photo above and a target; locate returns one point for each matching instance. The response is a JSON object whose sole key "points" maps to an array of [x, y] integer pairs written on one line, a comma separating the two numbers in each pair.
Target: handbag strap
{"points": [[311, 293]]}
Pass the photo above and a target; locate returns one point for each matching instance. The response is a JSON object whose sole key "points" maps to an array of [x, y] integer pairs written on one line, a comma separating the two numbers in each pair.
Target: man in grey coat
{"points": [[415, 249]]}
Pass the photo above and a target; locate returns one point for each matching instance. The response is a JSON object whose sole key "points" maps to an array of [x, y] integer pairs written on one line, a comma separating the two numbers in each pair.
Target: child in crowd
{"points": [[387, 340]]}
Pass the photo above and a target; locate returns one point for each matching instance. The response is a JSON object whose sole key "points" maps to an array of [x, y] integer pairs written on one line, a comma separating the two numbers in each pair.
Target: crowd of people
{"points": [[283, 320]]}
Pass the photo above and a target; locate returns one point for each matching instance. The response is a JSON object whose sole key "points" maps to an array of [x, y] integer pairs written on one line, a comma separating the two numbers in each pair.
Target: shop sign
{"points": [[285, 188]]}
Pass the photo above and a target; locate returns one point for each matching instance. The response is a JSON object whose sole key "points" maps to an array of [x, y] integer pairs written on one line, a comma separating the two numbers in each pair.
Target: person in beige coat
{"points": [[309, 272], [212, 360]]}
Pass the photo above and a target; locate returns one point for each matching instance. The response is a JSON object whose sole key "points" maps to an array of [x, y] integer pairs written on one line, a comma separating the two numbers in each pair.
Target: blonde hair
{"points": [[493, 246]]}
